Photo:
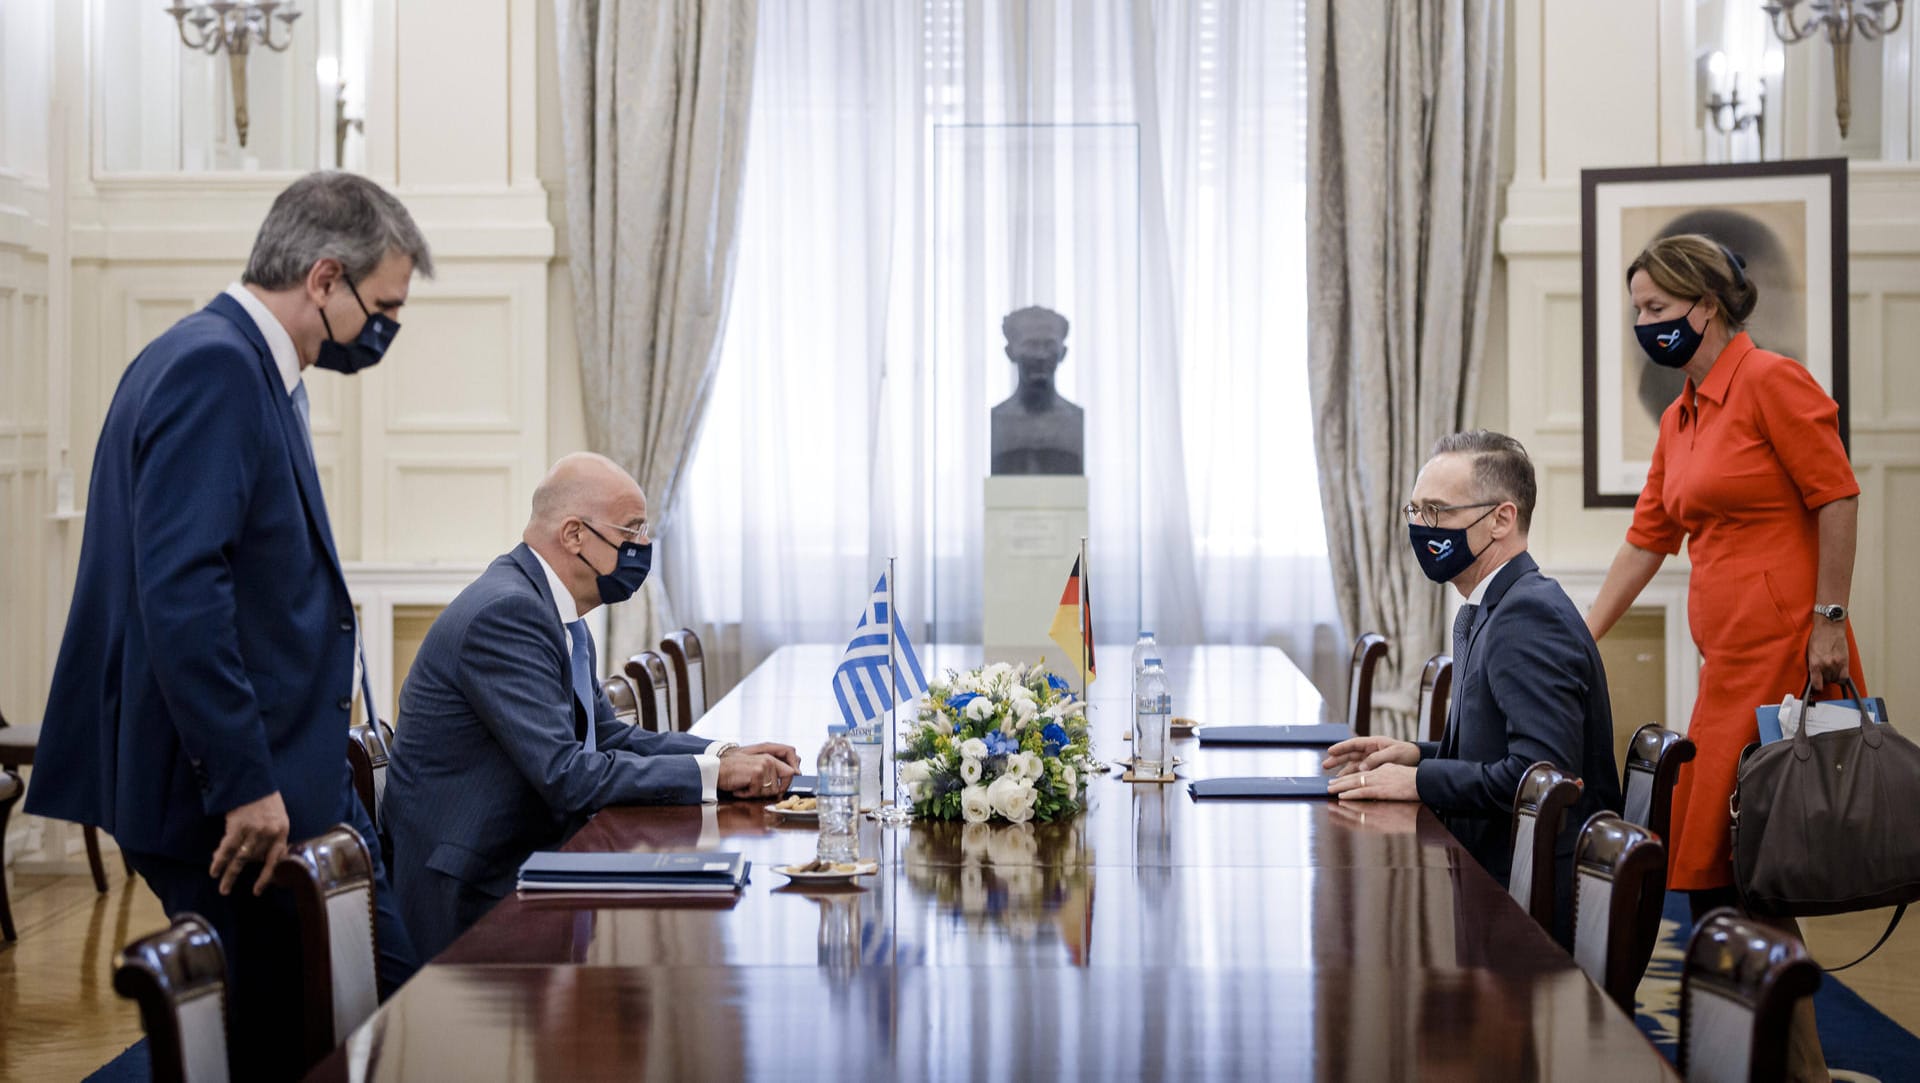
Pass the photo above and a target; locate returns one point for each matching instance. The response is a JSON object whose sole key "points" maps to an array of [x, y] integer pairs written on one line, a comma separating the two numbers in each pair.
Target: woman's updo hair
{"points": [[1694, 266]]}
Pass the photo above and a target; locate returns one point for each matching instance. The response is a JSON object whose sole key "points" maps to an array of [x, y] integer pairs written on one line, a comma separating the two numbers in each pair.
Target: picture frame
{"points": [[1788, 222]]}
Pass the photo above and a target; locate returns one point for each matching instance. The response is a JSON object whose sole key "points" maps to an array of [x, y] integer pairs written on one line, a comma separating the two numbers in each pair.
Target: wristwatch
{"points": [[1834, 613]]}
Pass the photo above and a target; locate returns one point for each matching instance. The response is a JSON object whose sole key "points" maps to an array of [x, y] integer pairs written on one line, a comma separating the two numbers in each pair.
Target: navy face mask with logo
{"points": [[1669, 343], [1443, 552], [367, 347], [629, 571]]}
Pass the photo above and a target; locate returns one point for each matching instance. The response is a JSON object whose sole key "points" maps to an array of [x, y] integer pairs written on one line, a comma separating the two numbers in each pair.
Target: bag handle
{"points": [[1803, 744], [1898, 913]]}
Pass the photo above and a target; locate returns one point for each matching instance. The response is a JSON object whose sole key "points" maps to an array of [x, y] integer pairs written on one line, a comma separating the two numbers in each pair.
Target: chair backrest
{"points": [[1436, 681], [1367, 652], [1620, 882], [1540, 805], [648, 672], [1653, 764], [1737, 992], [367, 751], [178, 977], [626, 704], [10, 789], [331, 878], [689, 665]]}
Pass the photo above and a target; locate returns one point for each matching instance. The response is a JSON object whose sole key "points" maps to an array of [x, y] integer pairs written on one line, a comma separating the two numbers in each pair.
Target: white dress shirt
{"points": [[1479, 594], [564, 607]]}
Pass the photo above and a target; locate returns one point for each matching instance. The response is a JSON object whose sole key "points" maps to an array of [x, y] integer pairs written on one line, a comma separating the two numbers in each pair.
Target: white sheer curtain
{"points": [[878, 252]]}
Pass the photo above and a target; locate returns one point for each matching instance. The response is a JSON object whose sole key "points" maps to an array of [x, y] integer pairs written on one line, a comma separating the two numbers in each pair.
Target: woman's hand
{"points": [[1827, 652]]}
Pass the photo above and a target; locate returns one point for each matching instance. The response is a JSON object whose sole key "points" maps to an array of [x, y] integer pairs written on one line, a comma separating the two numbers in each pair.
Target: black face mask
{"points": [[629, 571], [367, 347], [1669, 343], [1443, 552]]}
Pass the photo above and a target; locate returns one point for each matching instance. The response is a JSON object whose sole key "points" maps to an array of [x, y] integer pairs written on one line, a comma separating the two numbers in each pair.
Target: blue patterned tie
{"points": [[583, 672], [305, 409], [1462, 625]]}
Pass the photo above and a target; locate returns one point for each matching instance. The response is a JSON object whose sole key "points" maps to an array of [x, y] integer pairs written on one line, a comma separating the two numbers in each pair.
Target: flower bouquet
{"points": [[1002, 742]]}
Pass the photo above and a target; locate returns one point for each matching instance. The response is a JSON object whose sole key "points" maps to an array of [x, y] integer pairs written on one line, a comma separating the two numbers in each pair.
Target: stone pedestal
{"points": [[1033, 526]]}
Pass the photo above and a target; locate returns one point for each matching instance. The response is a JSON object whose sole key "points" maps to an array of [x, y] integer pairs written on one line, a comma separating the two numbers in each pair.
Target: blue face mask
{"points": [[1443, 552], [1669, 343], [367, 347], [629, 571]]}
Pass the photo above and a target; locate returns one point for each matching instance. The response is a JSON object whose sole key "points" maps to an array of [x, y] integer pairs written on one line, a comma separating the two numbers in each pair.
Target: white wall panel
{"points": [[466, 377], [451, 71], [1900, 381], [1600, 74], [452, 509]]}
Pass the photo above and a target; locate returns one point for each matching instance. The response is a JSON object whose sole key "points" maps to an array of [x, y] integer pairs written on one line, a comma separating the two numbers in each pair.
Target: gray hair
{"points": [[338, 216], [1501, 468]]}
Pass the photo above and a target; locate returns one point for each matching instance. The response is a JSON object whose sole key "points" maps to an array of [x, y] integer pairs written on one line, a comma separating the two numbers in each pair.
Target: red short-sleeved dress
{"points": [[1741, 467]]}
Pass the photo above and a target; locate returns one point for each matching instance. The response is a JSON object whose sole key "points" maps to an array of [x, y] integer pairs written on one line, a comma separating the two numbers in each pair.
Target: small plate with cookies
{"points": [[796, 807], [828, 872]]}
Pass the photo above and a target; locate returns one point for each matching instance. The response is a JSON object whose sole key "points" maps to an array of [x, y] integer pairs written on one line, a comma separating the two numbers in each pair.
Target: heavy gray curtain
{"points": [[653, 101], [1403, 150]]}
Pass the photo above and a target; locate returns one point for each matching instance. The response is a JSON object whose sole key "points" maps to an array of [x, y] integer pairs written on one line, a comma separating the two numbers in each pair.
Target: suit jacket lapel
{"points": [[1509, 575], [299, 443], [529, 566]]}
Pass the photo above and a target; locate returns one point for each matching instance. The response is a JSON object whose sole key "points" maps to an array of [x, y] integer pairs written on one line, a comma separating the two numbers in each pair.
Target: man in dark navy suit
{"points": [[508, 743], [1528, 684], [201, 698]]}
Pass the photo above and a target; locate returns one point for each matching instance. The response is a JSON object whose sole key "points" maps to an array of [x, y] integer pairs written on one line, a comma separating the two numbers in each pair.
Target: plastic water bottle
{"points": [[1142, 648], [839, 794], [1152, 722], [866, 744]]}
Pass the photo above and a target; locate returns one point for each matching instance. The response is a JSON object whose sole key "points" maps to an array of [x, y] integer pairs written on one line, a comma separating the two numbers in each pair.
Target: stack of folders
{"points": [[709, 871]]}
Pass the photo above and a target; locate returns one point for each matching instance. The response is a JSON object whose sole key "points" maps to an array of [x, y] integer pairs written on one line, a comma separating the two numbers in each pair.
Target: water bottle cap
{"points": [[838, 727], [1150, 661]]}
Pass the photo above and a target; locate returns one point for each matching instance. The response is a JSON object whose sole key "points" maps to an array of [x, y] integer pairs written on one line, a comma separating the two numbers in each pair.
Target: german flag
{"points": [[1071, 614]]}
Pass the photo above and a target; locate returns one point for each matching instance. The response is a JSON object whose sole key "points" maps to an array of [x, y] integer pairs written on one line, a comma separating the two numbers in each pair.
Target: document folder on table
{"points": [[1316, 736], [715, 871], [1308, 786]]}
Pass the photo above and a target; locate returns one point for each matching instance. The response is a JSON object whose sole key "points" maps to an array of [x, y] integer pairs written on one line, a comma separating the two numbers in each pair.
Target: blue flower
{"points": [[999, 744], [1057, 683], [1055, 738], [960, 701]]}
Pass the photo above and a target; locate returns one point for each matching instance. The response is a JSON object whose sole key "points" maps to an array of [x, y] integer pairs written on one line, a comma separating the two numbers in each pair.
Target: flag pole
{"points": [[888, 811], [1086, 622]]}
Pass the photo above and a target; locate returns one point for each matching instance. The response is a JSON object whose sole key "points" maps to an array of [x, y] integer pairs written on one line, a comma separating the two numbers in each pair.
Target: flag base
{"points": [[893, 815]]}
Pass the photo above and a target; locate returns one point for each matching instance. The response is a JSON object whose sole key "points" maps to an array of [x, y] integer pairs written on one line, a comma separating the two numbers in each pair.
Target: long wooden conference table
{"points": [[1152, 936]]}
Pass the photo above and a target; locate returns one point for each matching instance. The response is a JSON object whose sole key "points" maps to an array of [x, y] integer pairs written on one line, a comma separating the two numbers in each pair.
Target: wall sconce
{"points": [[328, 69], [1841, 19], [1725, 111], [235, 27]]}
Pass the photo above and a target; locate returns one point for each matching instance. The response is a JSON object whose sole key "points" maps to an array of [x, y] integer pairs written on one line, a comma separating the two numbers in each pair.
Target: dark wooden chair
{"points": [[1619, 883], [10, 790], [1367, 652], [620, 693], [368, 750], [17, 746], [1737, 992], [331, 879], [1540, 805], [1436, 682], [689, 665], [1654, 757], [179, 979], [648, 672]]}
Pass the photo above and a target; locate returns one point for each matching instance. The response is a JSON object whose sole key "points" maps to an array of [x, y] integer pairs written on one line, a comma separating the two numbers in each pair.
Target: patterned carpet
{"points": [[1860, 1042]]}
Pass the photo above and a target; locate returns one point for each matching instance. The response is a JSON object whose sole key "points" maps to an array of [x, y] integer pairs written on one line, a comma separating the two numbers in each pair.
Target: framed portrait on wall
{"points": [[1787, 220]]}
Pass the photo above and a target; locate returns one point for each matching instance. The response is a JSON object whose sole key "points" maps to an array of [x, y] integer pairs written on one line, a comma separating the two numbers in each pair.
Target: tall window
{"points": [[848, 421]]}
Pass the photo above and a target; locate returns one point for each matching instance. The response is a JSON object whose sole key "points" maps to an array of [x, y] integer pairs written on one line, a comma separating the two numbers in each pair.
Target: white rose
{"points": [[979, 709], [1024, 709], [974, 804], [1070, 779], [1012, 798], [970, 770], [1024, 765], [997, 671], [916, 775], [973, 748]]}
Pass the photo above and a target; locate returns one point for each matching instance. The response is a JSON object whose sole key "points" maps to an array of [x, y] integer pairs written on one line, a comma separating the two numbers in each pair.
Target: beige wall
{"points": [[1611, 85]]}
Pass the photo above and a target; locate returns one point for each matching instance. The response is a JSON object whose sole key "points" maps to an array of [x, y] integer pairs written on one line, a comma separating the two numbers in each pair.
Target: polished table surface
{"points": [[1153, 935]]}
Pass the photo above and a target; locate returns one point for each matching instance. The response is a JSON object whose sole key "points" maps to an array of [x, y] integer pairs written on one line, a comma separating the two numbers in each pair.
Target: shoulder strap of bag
{"points": [[1898, 913]]}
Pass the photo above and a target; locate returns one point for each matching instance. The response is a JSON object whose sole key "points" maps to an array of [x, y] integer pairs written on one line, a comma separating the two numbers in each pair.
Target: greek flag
{"points": [[860, 684]]}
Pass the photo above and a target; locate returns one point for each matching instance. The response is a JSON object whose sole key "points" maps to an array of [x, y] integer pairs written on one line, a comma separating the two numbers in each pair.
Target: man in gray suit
{"points": [[505, 743]]}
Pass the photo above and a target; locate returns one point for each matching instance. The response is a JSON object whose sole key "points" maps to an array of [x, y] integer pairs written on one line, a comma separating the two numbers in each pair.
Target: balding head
{"points": [[582, 495]]}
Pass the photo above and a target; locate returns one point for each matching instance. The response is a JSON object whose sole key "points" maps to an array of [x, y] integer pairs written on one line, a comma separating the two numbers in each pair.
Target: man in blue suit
{"points": [[201, 697], [506, 743], [1528, 683]]}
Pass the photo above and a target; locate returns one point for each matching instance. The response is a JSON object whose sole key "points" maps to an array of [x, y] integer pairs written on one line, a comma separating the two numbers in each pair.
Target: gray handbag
{"points": [[1823, 824]]}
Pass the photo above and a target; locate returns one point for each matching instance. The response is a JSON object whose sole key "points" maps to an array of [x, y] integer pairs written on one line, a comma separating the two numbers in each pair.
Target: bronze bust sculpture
{"points": [[1035, 431]]}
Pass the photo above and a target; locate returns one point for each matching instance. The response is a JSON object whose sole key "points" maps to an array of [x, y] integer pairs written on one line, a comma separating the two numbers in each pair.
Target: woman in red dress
{"points": [[1749, 471]]}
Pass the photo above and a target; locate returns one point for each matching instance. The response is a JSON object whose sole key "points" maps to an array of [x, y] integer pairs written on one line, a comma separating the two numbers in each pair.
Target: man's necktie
{"points": [[305, 409], [583, 672], [1462, 625]]}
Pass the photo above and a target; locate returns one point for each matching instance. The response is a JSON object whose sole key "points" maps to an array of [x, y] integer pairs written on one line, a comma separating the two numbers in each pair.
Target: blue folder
{"points": [[1769, 715], [1315, 736], [1310, 786]]}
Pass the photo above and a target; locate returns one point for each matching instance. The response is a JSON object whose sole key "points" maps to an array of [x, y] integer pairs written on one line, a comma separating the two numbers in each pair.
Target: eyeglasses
{"points": [[1430, 513], [640, 535]]}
